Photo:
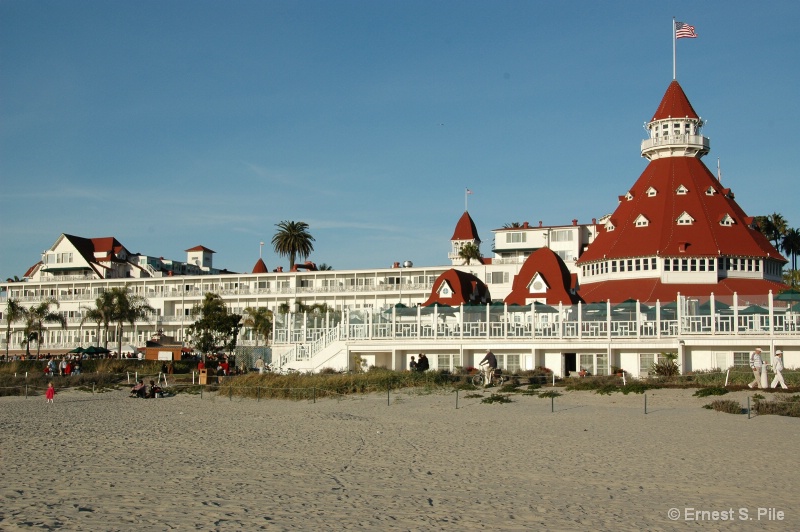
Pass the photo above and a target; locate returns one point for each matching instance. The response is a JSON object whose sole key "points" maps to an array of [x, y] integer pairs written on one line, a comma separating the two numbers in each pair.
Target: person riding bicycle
{"points": [[490, 361]]}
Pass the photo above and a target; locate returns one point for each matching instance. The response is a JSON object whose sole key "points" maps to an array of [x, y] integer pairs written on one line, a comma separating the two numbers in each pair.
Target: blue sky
{"points": [[182, 123]]}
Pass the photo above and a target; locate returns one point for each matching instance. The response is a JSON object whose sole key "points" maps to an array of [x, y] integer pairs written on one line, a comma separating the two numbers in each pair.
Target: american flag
{"points": [[683, 30], [469, 191]]}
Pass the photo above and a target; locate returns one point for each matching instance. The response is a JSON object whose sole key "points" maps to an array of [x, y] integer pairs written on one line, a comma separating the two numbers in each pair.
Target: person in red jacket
{"points": [[50, 393]]}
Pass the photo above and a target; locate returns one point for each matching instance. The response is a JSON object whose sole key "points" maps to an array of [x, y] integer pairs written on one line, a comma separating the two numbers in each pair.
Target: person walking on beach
{"points": [[755, 364], [50, 394], [422, 363], [490, 361], [412, 366], [777, 366]]}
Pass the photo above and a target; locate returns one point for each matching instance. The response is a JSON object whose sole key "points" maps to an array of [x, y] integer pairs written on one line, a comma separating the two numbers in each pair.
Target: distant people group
{"points": [[142, 391], [63, 368], [757, 364], [420, 364]]}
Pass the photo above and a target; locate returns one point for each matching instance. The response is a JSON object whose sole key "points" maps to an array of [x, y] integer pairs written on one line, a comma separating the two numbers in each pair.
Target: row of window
{"points": [[625, 265], [677, 265], [689, 265], [58, 258], [557, 235]]}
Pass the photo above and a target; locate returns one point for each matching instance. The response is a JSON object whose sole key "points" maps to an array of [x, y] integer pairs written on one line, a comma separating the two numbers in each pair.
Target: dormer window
{"points": [[685, 219], [682, 191], [629, 196], [609, 226], [641, 221], [727, 221], [710, 191], [651, 192], [445, 290]]}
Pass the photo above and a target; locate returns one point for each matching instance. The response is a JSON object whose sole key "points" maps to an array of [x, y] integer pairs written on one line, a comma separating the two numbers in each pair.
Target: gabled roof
{"points": [[200, 248], [466, 289], [705, 236], [465, 229], [260, 267], [675, 104], [648, 290], [108, 245], [545, 263]]}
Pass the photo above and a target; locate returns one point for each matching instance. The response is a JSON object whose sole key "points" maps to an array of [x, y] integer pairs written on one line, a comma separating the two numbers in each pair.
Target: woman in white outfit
{"points": [[777, 366]]}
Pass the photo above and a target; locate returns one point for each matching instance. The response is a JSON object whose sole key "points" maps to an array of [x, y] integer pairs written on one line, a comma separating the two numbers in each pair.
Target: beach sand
{"points": [[108, 462]]}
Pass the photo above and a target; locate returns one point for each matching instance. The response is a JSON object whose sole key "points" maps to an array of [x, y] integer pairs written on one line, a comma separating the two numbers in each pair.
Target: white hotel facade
{"points": [[678, 267]]}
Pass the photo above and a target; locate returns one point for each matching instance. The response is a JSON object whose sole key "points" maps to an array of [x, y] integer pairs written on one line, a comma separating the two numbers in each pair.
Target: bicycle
{"points": [[480, 377]]}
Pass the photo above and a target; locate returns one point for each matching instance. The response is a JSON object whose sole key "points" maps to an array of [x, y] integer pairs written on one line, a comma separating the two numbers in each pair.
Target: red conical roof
{"points": [[704, 200], [675, 104], [260, 267], [465, 229]]}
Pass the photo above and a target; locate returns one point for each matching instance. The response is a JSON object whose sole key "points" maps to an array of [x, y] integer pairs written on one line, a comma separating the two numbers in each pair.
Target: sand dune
{"points": [[107, 462]]}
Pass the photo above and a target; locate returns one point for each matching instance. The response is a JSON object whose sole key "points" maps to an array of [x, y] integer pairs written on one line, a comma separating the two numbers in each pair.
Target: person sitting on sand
{"points": [[139, 390], [154, 390]]}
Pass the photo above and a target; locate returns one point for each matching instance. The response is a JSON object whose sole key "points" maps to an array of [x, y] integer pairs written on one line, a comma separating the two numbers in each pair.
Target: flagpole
{"points": [[673, 48], [465, 199]]}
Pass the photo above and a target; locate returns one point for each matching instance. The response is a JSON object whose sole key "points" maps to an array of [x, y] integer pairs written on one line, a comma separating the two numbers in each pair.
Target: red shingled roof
{"points": [[201, 248], [466, 289], [663, 236], [675, 104], [465, 229], [554, 272]]}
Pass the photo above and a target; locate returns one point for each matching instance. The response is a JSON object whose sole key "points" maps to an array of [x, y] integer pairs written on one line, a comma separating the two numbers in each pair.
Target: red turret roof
{"points": [[705, 201], [260, 267], [675, 104], [465, 229]]}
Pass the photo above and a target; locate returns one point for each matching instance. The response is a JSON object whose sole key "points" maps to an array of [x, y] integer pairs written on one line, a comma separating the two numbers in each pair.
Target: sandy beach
{"points": [[107, 462]]}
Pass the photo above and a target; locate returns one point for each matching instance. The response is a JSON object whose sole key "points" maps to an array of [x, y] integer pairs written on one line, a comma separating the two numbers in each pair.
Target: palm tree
{"points": [[96, 316], [773, 227], [14, 312], [469, 252], [512, 225], [35, 318], [128, 307], [103, 313], [260, 321], [791, 245], [780, 226], [324, 267], [292, 240]]}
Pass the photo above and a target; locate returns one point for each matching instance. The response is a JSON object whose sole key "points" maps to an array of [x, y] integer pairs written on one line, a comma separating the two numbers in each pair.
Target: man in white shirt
{"points": [[755, 364], [777, 366]]}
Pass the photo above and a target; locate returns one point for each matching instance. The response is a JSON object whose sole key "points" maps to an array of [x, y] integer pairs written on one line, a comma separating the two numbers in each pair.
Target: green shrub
{"points": [[549, 394], [496, 398], [667, 367], [781, 407], [592, 383], [636, 387], [727, 406], [608, 389], [711, 390]]}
